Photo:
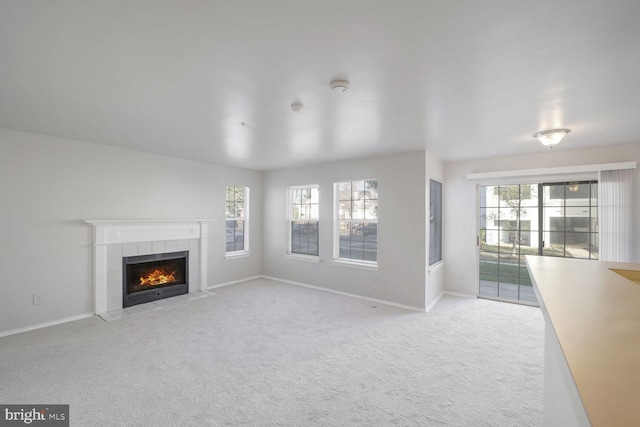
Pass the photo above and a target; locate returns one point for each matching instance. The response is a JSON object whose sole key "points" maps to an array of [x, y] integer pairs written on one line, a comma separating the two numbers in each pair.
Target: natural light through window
{"points": [[356, 224], [303, 220], [237, 213], [549, 219], [435, 222]]}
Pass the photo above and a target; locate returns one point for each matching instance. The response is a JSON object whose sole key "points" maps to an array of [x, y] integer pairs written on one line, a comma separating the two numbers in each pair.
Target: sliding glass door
{"points": [[508, 232], [551, 219]]}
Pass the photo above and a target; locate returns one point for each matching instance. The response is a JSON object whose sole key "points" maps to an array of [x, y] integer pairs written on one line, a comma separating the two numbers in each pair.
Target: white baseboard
{"points": [[433, 304], [376, 300], [45, 324], [87, 315], [234, 282], [458, 294]]}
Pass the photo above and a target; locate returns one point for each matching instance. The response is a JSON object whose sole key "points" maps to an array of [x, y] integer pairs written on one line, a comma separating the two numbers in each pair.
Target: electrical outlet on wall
{"points": [[38, 298]]}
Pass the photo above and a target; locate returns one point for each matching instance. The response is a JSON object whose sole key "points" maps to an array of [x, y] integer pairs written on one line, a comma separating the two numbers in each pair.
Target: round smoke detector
{"points": [[339, 85], [296, 106]]}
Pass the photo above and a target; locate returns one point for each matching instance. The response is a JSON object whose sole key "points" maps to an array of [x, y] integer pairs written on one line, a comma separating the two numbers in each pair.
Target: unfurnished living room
{"points": [[319, 213]]}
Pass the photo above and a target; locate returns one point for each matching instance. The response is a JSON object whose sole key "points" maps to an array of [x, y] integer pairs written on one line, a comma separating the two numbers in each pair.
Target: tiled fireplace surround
{"points": [[115, 239]]}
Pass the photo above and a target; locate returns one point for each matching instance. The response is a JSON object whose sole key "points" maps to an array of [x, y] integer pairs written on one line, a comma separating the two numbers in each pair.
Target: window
{"points": [[356, 224], [303, 220], [435, 222], [237, 216]]}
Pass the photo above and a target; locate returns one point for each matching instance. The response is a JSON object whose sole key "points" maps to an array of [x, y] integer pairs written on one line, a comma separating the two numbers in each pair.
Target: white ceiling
{"points": [[461, 79]]}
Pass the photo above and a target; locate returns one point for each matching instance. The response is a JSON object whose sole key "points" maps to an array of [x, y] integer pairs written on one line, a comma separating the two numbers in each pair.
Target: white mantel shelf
{"points": [[119, 231], [145, 221], [111, 231]]}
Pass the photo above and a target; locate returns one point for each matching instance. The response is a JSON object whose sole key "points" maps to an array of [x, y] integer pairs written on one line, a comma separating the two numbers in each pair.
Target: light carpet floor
{"points": [[264, 353]]}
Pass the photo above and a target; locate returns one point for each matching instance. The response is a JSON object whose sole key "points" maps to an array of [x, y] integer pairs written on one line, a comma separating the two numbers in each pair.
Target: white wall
{"points": [[434, 276], [401, 228], [460, 209], [49, 185]]}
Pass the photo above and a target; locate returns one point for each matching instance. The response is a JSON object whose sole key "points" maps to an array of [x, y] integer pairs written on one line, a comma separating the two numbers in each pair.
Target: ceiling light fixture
{"points": [[573, 186], [297, 106], [340, 85], [551, 137]]}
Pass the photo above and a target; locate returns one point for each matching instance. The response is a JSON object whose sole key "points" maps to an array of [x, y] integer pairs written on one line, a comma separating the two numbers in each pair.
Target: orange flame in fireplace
{"points": [[157, 277]]}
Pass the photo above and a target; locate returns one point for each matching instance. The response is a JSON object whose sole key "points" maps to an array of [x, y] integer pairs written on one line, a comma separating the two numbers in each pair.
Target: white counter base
{"points": [[562, 404]]}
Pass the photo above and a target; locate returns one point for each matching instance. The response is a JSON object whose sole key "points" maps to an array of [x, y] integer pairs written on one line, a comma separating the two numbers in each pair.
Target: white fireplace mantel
{"points": [[111, 232]]}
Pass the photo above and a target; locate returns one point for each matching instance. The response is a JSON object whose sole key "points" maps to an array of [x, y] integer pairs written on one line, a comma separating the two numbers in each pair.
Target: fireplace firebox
{"points": [[149, 278]]}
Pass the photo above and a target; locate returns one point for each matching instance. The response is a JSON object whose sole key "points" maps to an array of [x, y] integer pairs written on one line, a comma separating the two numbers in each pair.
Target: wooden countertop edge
{"points": [[593, 314]]}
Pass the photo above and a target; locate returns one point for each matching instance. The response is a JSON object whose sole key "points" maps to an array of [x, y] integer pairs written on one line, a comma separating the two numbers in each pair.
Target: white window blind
{"points": [[615, 214]]}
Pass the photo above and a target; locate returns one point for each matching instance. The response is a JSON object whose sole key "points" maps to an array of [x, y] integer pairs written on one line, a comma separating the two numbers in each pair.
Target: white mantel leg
{"points": [[100, 278], [204, 234]]}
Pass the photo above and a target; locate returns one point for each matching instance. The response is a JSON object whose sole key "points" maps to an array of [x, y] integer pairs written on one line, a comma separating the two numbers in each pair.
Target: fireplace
{"points": [[149, 278]]}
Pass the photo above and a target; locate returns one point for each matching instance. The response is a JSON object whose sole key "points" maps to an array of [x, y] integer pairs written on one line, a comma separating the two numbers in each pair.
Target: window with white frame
{"points": [[356, 221], [237, 217], [435, 222], [303, 220]]}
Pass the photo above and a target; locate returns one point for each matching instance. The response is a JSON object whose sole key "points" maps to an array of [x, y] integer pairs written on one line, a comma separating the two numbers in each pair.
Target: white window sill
{"points": [[435, 266], [354, 264], [300, 257], [234, 255]]}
